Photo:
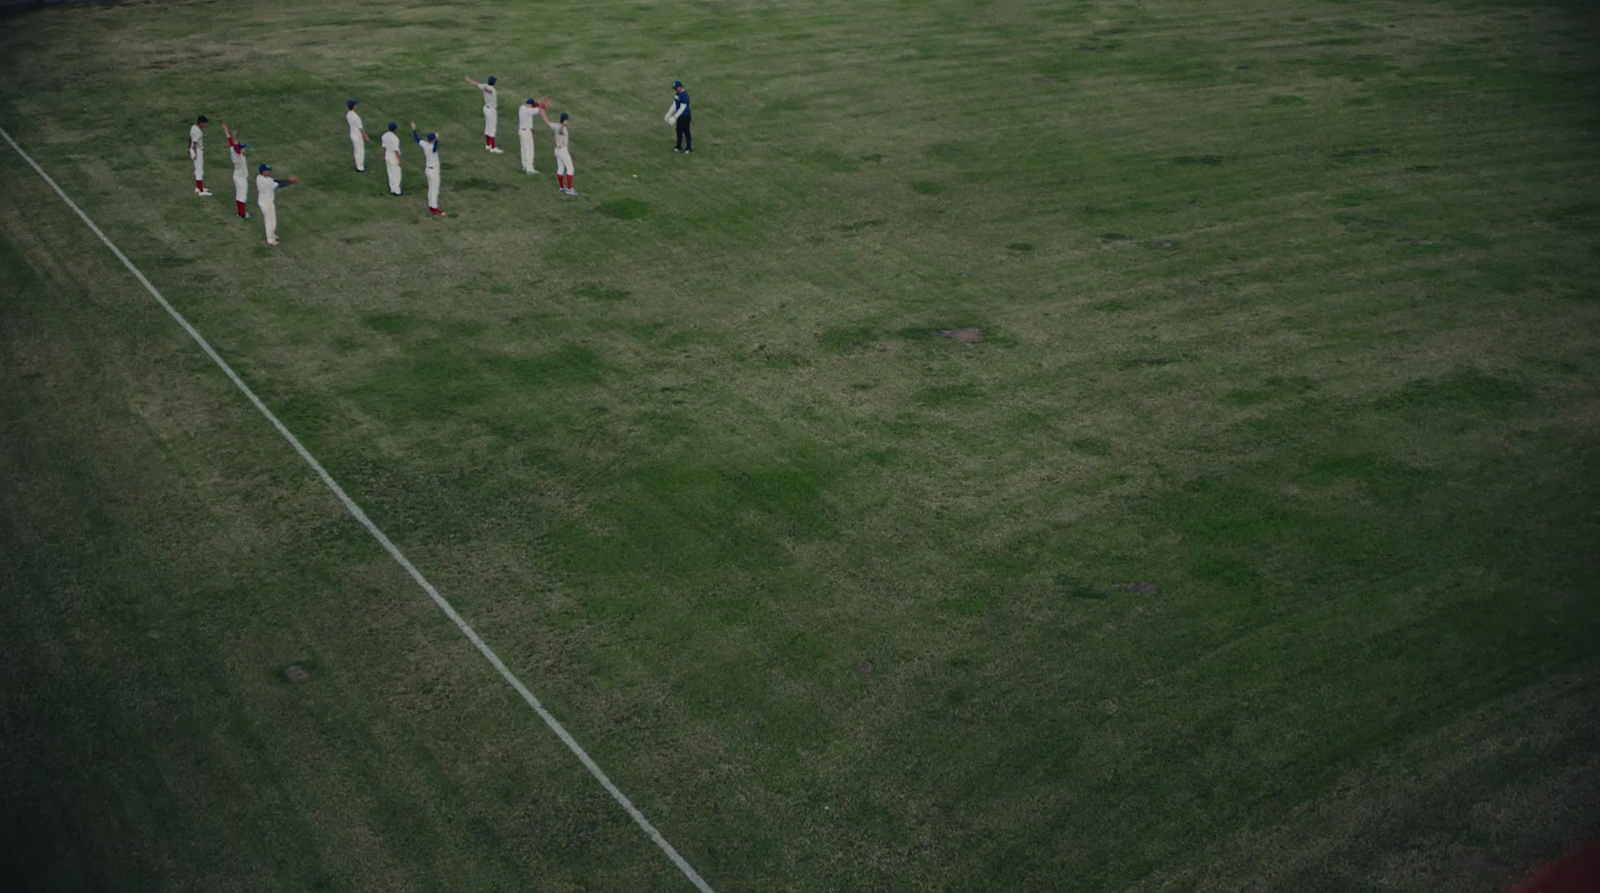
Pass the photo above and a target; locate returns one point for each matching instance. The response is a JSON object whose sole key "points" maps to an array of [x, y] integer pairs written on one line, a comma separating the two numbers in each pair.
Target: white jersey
{"points": [[430, 154], [525, 114], [560, 130], [391, 146], [266, 189], [241, 167], [355, 123], [197, 141], [488, 95]]}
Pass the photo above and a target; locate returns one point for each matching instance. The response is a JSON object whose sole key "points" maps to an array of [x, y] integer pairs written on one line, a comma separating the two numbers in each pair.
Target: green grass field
{"points": [[1289, 309]]}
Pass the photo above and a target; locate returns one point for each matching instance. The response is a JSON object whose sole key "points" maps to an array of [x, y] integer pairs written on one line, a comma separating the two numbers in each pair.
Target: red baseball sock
{"points": [[240, 205], [488, 140], [200, 185]]}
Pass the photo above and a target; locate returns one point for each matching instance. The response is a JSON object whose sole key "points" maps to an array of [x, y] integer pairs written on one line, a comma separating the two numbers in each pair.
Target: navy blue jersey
{"points": [[681, 98]]}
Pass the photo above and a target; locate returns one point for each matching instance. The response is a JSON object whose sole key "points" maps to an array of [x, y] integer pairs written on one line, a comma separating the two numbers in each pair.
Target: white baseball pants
{"points": [[563, 162], [269, 219], [433, 187], [491, 120], [241, 188], [394, 175], [526, 137], [360, 146]]}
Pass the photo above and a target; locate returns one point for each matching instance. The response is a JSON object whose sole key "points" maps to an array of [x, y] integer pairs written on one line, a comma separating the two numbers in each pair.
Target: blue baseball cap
{"points": [[564, 116], [532, 101], [491, 80], [677, 83], [350, 104], [263, 168], [433, 137], [393, 126], [241, 145]]}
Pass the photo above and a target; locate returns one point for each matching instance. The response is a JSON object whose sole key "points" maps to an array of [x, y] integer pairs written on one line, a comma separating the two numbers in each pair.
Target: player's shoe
{"points": [[687, 151], [274, 243], [497, 151], [436, 212], [202, 192]]}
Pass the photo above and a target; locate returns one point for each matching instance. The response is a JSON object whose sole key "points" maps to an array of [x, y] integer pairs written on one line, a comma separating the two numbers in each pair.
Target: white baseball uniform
{"points": [[241, 174], [391, 159], [267, 200], [197, 152], [359, 144], [563, 157], [430, 169], [491, 110], [525, 115]]}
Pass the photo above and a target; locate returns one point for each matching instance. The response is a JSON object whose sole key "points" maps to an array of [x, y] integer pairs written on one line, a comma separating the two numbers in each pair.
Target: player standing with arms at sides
{"points": [[525, 134], [197, 154], [391, 157], [267, 200], [563, 156], [241, 173], [491, 114], [430, 167], [358, 135], [679, 115]]}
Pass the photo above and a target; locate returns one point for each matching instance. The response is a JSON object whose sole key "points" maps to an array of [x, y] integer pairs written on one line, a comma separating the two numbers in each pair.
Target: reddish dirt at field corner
{"points": [[1576, 872]]}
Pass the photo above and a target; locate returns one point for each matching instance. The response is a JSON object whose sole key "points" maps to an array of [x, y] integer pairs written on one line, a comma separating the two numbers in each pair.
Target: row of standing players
{"points": [[267, 186]]}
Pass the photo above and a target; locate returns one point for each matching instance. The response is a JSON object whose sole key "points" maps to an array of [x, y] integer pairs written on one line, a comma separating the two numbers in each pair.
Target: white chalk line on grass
{"points": [[388, 544]]}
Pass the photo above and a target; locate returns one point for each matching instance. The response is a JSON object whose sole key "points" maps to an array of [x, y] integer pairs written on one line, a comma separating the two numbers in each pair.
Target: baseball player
{"points": [[491, 114], [267, 200], [197, 154], [241, 173], [679, 114], [525, 114], [391, 157], [563, 157], [430, 167], [358, 135]]}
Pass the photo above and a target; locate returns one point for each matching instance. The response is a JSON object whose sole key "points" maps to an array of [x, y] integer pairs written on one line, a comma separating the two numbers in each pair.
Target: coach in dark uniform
{"points": [[679, 114]]}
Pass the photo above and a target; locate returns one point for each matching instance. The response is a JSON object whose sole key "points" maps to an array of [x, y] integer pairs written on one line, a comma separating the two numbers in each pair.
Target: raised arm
{"points": [[414, 133], [474, 83]]}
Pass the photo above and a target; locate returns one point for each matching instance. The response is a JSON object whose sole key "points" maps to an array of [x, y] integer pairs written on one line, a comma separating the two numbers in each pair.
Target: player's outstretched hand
{"points": [[294, 179], [413, 125]]}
